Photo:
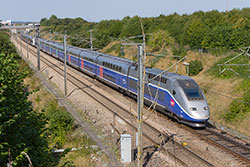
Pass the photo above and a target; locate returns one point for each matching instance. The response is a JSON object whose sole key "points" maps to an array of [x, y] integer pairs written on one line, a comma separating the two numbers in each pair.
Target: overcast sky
{"points": [[96, 10]]}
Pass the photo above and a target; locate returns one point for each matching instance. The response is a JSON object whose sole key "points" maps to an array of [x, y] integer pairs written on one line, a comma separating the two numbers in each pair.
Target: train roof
{"points": [[166, 74], [94, 54], [87, 52]]}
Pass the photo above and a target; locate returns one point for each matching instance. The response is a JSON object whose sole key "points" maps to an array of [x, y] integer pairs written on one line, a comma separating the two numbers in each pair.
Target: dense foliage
{"points": [[239, 107], [6, 46], [24, 131], [21, 129], [195, 67], [208, 30], [159, 39], [60, 122]]}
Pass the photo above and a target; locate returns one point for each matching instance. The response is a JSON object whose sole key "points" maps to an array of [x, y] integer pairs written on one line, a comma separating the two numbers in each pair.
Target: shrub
{"points": [[195, 67], [60, 122], [179, 51], [239, 107]]}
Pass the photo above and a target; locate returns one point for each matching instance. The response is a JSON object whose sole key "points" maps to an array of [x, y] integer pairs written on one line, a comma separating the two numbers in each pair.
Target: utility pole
{"points": [[38, 47], [50, 34], [27, 47], [21, 45], [140, 97], [91, 41], [65, 64], [122, 52]]}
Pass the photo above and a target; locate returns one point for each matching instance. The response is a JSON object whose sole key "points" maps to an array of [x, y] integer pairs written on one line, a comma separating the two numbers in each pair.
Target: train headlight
{"points": [[206, 108], [193, 108]]}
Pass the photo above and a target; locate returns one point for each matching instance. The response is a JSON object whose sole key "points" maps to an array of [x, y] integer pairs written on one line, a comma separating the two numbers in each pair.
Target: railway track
{"points": [[226, 143], [159, 140], [239, 150]]}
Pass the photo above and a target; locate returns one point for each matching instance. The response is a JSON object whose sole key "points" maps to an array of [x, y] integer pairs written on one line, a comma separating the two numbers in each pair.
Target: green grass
{"points": [[241, 70]]}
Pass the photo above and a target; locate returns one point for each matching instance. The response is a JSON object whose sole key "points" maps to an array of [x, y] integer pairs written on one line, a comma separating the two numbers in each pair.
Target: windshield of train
{"points": [[191, 89]]}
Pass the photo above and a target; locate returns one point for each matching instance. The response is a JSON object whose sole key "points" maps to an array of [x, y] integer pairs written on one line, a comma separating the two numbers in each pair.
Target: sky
{"points": [[97, 10]]}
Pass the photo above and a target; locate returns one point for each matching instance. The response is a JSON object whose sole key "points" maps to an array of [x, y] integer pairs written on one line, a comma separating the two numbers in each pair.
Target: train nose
{"points": [[200, 112]]}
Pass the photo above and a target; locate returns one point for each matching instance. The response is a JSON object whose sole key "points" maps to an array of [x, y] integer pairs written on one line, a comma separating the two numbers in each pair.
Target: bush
{"points": [[239, 107], [236, 110], [6, 46], [179, 51], [195, 67], [60, 122]]}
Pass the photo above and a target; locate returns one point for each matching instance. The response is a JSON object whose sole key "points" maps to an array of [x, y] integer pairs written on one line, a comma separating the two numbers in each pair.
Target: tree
{"points": [[160, 39], [211, 29], [21, 129], [194, 33], [132, 27], [5, 45]]}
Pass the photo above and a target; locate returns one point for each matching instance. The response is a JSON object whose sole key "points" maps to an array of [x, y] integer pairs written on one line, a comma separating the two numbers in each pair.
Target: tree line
{"points": [[207, 30]]}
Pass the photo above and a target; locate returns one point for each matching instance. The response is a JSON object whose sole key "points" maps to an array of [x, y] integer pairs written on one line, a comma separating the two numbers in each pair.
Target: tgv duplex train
{"points": [[176, 95]]}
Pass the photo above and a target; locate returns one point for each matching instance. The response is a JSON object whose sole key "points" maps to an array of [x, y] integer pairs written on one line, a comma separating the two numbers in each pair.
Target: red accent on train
{"points": [[82, 65], [101, 72], [172, 102], [69, 58]]}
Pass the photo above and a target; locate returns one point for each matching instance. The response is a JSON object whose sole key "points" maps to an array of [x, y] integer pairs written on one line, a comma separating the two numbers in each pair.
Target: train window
{"points": [[191, 89], [157, 78], [192, 93], [163, 80], [174, 92], [117, 68], [150, 76], [120, 69]]}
